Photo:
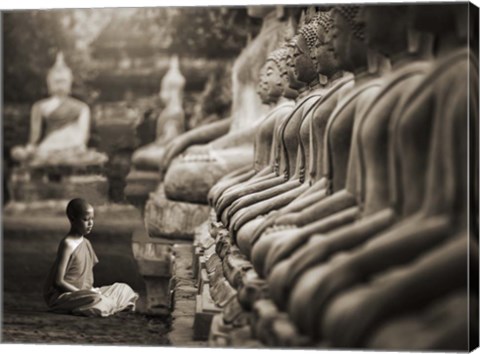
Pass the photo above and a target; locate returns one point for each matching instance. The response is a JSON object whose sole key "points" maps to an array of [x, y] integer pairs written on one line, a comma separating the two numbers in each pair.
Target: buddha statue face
{"points": [[59, 84], [324, 53], [274, 80], [59, 78], [304, 67], [292, 74]]}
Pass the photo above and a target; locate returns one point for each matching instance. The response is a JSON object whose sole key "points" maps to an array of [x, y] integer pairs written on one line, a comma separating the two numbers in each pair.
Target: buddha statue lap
{"points": [[191, 175], [435, 240], [57, 147], [372, 158], [170, 123]]}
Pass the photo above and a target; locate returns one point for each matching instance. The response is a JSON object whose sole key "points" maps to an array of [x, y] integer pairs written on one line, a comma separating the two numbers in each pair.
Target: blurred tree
{"points": [[31, 40], [212, 32]]}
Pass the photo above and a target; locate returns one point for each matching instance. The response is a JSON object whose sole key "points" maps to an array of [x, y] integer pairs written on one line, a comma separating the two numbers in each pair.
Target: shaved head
{"points": [[78, 207]]}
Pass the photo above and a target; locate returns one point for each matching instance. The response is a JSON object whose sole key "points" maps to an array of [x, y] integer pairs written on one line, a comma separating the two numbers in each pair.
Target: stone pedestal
{"points": [[155, 263], [170, 220]]}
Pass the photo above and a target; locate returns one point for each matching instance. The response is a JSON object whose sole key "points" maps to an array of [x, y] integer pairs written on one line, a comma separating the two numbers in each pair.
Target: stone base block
{"points": [[139, 186], [28, 188], [155, 264], [204, 312], [170, 220]]}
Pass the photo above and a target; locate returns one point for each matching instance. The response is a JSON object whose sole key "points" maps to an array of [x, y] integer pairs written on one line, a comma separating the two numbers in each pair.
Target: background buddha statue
{"points": [[59, 126], [171, 121], [271, 89], [192, 175]]}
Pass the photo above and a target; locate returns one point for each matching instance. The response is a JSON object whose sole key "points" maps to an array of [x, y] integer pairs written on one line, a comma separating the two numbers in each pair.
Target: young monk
{"points": [[69, 287]]}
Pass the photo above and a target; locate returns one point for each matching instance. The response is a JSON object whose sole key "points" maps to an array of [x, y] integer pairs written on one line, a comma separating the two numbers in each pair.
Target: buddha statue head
{"points": [[59, 78], [305, 68], [386, 27], [172, 83], [349, 37], [276, 73], [323, 52]]}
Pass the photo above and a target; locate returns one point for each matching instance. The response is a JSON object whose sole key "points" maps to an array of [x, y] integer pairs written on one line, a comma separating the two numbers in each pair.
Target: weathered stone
{"points": [[172, 220], [222, 292], [235, 266]]}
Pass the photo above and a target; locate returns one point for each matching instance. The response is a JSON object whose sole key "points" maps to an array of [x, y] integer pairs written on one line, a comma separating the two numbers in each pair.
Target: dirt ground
{"points": [[25, 320]]}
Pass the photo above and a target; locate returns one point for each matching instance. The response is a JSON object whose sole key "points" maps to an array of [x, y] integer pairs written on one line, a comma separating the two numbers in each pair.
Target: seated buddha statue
{"points": [[362, 214], [170, 123], [59, 126], [310, 131], [274, 80], [295, 90], [428, 248], [190, 176]]}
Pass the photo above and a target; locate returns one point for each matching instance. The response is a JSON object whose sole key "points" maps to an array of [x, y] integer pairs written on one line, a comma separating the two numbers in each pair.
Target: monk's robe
{"points": [[79, 273]]}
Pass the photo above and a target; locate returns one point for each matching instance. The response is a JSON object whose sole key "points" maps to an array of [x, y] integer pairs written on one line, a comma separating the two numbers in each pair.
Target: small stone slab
{"points": [[222, 292]]}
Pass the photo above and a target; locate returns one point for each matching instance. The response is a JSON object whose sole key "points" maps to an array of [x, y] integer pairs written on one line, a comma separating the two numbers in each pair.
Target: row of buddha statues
{"points": [[354, 208]]}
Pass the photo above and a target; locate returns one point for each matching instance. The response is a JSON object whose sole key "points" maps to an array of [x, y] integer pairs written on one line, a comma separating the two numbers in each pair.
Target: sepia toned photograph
{"points": [[298, 176]]}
